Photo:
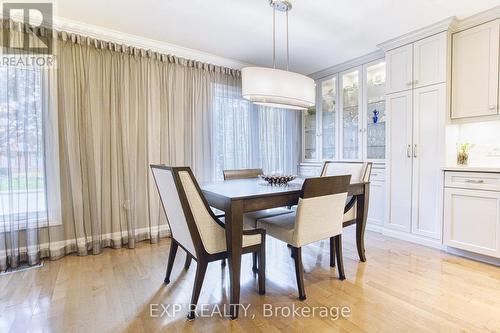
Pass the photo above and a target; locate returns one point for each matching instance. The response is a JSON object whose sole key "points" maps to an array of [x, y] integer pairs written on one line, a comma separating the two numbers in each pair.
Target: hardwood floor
{"points": [[401, 288]]}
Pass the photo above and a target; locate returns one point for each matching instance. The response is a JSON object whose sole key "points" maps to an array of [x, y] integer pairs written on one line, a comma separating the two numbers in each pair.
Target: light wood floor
{"points": [[401, 288]]}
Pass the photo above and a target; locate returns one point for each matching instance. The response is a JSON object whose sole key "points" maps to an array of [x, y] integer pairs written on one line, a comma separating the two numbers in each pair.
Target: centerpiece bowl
{"points": [[278, 179]]}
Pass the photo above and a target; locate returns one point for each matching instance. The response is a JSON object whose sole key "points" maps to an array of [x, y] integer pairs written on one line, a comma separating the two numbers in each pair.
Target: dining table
{"points": [[239, 196]]}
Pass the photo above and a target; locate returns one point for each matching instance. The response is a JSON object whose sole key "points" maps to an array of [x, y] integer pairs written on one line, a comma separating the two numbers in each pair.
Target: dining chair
{"points": [[318, 216], [360, 172], [250, 219], [195, 228]]}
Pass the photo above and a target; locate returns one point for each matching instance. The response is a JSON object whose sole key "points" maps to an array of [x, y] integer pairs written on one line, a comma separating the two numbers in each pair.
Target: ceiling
{"points": [[322, 32]]}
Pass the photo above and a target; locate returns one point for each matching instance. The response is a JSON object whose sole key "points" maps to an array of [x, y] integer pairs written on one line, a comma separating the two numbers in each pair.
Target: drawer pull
{"points": [[474, 181]]}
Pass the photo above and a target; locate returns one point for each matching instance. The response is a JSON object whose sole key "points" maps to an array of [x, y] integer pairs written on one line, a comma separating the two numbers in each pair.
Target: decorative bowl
{"points": [[278, 179]]}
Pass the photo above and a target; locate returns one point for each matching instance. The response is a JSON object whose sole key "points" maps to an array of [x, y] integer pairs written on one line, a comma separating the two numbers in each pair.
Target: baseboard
{"points": [[374, 227], [82, 241], [434, 243], [474, 256]]}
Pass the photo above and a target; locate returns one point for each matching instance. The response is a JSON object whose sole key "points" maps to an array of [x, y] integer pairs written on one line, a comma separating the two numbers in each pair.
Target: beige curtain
{"points": [[119, 109]]}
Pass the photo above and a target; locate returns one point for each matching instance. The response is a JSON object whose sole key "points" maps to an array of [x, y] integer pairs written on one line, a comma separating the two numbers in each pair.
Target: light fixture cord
{"points": [[274, 38], [287, 47]]}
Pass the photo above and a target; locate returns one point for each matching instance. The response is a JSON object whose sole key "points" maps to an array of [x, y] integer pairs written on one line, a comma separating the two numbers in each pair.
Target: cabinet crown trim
{"points": [[478, 19], [448, 24]]}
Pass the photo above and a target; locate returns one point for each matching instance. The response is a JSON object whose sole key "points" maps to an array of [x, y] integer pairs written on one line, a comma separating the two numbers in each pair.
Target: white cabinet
{"points": [[429, 60], [429, 105], [399, 110], [399, 69], [416, 65], [472, 214], [416, 130], [376, 208], [348, 122], [475, 71]]}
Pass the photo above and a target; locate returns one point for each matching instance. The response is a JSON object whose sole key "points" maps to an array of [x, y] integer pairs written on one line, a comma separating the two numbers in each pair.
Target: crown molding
{"points": [[449, 24], [110, 35], [479, 18], [375, 55]]}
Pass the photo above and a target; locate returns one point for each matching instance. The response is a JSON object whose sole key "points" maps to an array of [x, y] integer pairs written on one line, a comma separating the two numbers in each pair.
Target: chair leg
{"points": [[201, 269], [254, 262], [332, 252], [171, 257], [299, 271], [187, 263], [262, 271], [340, 261], [291, 250], [223, 263]]}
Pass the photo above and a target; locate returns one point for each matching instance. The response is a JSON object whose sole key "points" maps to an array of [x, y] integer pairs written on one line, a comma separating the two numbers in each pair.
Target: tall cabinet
{"points": [[349, 124], [417, 110]]}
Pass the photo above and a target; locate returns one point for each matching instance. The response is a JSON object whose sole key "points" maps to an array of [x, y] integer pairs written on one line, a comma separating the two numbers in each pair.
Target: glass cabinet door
{"points": [[375, 108], [329, 117], [310, 151], [350, 115]]}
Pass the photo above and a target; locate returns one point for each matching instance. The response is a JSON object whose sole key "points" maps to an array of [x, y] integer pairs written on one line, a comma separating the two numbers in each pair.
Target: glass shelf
{"points": [[375, 108]]}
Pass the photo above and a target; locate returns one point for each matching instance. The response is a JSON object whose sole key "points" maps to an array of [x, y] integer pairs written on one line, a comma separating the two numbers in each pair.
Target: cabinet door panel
{"points": [[472, 220], [429, 60], [351, 117], [376, 209], [429, 114], [475, 71], [374, 110], [310, 134], [399, 109], [329, 123], [399, 69]]}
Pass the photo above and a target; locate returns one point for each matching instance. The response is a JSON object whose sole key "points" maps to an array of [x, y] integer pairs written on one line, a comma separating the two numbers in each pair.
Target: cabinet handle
{"points": [[492, 107], [475, 181], [408, 153], [415, 151]]}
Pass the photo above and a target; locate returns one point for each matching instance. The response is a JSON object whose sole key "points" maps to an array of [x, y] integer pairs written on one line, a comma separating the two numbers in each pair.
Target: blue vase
{"points": [[375, 116]]}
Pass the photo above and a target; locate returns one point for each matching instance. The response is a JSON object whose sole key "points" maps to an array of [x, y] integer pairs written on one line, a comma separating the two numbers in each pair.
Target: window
{"points": [[22, 166], [246, 135]]}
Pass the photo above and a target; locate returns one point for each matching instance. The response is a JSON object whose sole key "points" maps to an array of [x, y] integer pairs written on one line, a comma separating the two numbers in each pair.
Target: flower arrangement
{"points": [[463, 153]]}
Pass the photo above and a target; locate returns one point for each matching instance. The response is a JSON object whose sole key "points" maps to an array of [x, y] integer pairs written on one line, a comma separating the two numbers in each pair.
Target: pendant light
{"points": [[275, 87]]}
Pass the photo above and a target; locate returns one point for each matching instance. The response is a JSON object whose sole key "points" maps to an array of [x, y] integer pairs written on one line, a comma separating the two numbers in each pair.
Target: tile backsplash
{"points": [[485, 136]]}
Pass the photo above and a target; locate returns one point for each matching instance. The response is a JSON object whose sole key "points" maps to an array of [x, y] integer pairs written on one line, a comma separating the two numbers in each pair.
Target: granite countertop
{"points": [[472, 168]]}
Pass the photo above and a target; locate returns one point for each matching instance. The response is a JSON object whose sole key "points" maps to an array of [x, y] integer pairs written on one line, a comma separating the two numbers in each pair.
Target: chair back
{"points": [[172, 206], [192, 222], [242, 173], [360, 171], [320, 210]]}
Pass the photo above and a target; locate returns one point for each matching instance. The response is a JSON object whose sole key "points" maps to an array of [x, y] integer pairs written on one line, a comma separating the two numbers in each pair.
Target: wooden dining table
{"points": [[240, 196]]}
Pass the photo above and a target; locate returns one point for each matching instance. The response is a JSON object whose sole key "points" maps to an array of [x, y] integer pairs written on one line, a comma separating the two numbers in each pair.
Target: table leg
{"points": [[361, 217], [234, 234]]}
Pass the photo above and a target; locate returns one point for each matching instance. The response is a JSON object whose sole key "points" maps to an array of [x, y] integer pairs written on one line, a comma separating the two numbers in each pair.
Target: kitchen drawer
{"points": [[473, 180], [378, 174]]}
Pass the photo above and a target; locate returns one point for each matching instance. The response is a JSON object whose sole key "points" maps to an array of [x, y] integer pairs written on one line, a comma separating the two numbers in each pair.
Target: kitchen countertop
{"points": [[472, 168]]}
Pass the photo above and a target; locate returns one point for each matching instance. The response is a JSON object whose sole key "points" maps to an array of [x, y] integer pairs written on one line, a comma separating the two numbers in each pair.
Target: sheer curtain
{"points": [[250, 136], [115, 110], [23, 201]]}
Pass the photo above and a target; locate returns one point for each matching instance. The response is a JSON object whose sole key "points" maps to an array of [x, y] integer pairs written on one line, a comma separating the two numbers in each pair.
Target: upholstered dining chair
{"points": [[318, 216], [250, 219], [195, 228], [360, 172]]}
